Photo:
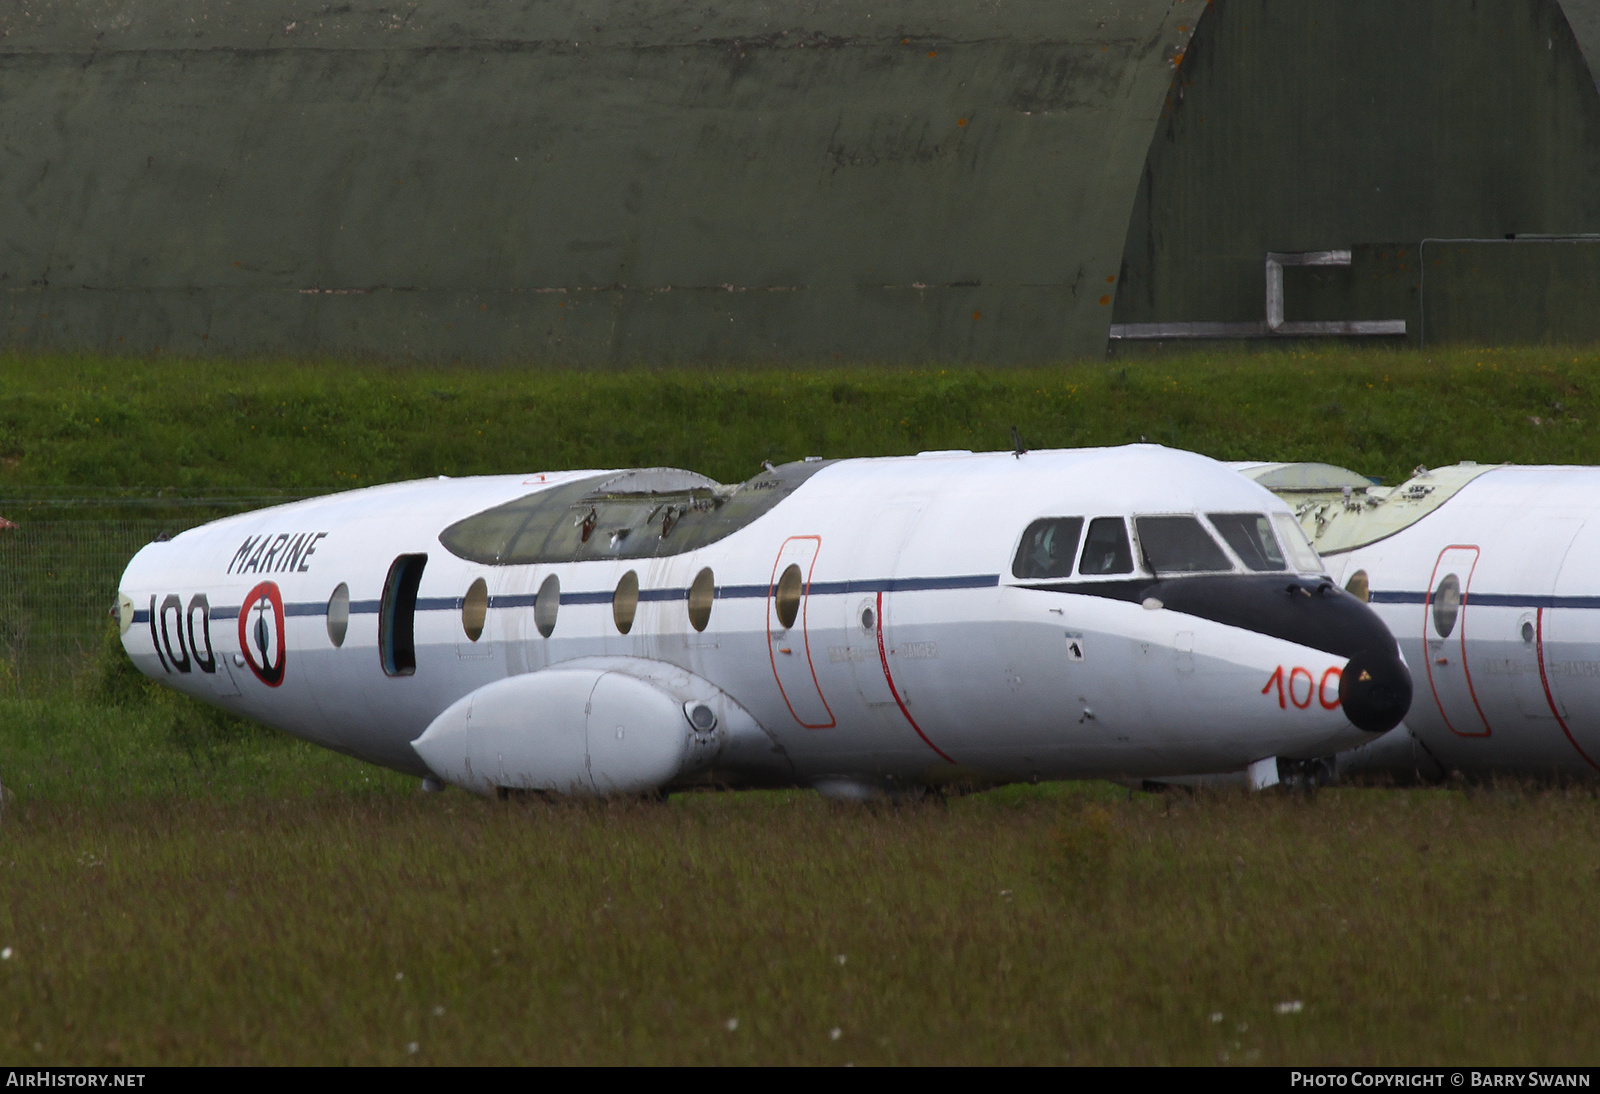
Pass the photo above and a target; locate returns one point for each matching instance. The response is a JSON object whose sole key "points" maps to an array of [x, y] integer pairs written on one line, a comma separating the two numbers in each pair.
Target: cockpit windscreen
{"points": [[1302, 555], [1048, 548], [1250, 536], [1179, 545], [1105, 548]]}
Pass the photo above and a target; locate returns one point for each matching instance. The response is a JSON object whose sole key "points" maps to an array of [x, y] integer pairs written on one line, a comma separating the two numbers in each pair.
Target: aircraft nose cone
{"points": [[1375, 691], [1375, 688]]}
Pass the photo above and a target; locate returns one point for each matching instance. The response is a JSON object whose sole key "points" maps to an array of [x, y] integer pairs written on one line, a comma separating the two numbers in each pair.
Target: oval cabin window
{"points": [[701, 594], [339, 614], [548, 604], [625, 601], [475, 609], [786, 600], [1446, 605]]}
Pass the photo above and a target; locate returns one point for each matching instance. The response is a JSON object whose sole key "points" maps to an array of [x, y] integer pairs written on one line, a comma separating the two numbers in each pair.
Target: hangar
{"points": [[651, 181]]}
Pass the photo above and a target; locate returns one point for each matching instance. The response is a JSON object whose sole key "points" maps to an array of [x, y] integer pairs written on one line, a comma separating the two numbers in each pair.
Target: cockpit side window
{"points": [[1048, 548], [1179, 545], [1302, 556], [1105, 548], [1250, 536]]}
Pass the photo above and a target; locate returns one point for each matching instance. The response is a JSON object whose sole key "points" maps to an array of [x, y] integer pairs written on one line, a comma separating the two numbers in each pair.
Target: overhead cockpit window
{"points": [[1250, 536], [1179, 545], [645, 513], [1048, 548], [1302, 556], [1105, 548]]}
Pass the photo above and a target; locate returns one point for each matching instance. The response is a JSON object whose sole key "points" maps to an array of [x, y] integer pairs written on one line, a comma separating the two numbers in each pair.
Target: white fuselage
{"points": [[1510, 681], [916, 656]]}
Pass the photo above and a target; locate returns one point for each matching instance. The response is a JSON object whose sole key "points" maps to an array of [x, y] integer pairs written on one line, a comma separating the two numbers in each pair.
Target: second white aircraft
{"points": [[1489, 576]]}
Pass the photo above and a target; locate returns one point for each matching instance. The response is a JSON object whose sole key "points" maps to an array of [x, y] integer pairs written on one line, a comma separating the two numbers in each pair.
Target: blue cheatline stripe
{"points": [[1377, 596], [907, 584], [1492, 600], [586, 598], [873, 585], [869, 585], [725, 592], [357, 607], [1504, 600]]}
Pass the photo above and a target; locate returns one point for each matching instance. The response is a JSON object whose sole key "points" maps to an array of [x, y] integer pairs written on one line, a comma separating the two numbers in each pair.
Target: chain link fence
{"points": [[60, 562], [58, 585]]}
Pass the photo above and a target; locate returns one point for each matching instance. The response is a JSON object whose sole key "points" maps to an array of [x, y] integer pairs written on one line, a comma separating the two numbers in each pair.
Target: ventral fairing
{"points": [[1489, 576], [865, 627]]}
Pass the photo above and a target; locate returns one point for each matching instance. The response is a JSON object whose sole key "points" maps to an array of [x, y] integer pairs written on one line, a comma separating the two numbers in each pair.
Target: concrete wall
{"points": [[587, 181], [616, 181]]}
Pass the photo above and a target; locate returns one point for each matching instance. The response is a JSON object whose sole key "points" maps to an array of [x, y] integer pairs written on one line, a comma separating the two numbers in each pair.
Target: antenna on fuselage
{"points": [[1016, 440]]}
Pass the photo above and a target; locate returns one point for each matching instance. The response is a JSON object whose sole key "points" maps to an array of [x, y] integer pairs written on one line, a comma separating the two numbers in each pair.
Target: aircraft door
{"points": [[788, 641], [1536, 579], [1567, 646], [397, 620], [877, 556], [1444, 641]]}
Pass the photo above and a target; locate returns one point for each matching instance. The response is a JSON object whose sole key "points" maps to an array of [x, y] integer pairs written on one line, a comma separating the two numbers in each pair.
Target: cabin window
{"points": [[397, 620], [1250, 536], [1105, 548], [701, 594], [339, 614], [625, 601], [787, 598], [1446, 605], [1048, 548], [1179, 545], [1357, 586], [1301, 554], [475, 609], [547, 605]]}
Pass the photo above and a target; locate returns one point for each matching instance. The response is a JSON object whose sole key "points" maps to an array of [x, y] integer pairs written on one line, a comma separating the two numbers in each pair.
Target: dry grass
{"points": [[1043, 925]]}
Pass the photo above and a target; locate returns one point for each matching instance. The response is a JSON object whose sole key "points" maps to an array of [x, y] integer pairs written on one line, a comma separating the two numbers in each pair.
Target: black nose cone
{"points": [[1375, 688], [1375, 691]]}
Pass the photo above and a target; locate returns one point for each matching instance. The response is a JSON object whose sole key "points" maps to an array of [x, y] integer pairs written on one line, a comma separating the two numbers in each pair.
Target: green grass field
{"points": [[180, 887], [317, 426]]}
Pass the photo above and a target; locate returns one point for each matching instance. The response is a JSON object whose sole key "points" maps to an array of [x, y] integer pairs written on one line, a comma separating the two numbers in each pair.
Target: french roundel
{"points": [[261, 633]]}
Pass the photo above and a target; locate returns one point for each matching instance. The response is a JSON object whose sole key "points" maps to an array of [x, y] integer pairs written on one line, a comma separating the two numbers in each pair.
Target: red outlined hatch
{"points": [[888, 677], [1444, 641], [788, 641], [1549, 696]]}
